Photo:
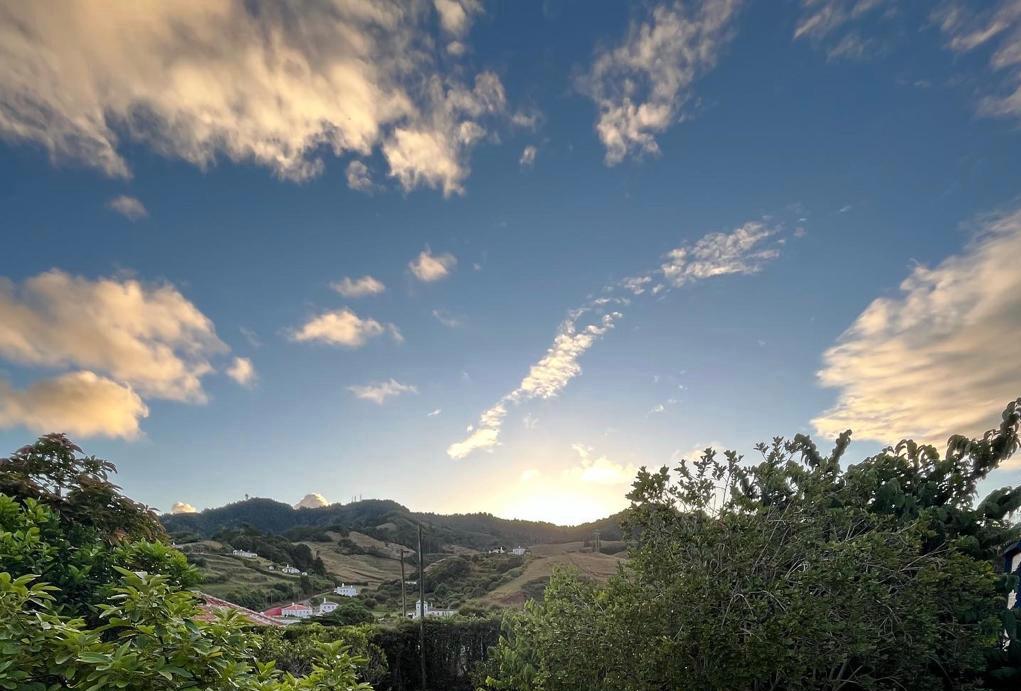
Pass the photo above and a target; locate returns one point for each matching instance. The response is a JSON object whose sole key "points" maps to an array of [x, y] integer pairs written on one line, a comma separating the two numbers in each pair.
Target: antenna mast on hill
{"points": [[404, 595], [421, 607]]}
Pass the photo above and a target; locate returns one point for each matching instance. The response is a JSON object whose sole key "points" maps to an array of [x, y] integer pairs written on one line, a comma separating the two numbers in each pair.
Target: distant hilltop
{"points": [[384, 519]]}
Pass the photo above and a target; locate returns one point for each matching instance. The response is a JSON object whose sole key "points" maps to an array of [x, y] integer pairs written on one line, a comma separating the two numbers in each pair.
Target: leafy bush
{"points": [[794, 573]]}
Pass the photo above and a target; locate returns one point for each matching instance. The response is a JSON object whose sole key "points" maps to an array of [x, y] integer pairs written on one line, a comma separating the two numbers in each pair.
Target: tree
{"points": [[92, 598], [54, 472], [792, 573]]}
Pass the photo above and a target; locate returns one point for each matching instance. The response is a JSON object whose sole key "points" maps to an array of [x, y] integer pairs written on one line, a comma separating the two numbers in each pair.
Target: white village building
{"points": [[295, 609], [287, 568], [326, 606], [346, 590], [430, 611], [519, 551], [244, 554]]}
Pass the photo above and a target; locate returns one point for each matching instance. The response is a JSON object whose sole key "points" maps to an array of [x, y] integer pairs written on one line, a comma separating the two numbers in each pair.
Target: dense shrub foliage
{"points": [[90, 598], [794, 573]]}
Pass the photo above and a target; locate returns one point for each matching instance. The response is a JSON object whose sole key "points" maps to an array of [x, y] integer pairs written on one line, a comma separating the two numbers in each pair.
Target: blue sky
{"points": [[600, 235]]}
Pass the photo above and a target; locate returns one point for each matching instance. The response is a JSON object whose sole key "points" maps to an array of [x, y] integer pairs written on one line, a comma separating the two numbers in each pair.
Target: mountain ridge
{"points": [[384, 519]]}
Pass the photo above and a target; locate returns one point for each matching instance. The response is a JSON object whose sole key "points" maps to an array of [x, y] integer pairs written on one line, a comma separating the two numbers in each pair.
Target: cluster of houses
{"points": [[296, 611], [286, 568], [299, 610], [518, 551]]}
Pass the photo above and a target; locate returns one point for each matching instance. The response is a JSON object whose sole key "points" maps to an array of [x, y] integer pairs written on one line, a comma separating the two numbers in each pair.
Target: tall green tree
{"points": [[794, 572]]}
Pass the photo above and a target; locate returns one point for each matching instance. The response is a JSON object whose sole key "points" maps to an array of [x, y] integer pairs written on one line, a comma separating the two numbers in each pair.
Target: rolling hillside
{"points": [[361, 544]]}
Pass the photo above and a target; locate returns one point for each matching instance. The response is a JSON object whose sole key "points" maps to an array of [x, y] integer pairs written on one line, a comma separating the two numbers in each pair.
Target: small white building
{"points": [[519, 551], [287, 568], [297, 610], [325, 607], [244, 554], [498, 550], [346, 590], [430, 611]]}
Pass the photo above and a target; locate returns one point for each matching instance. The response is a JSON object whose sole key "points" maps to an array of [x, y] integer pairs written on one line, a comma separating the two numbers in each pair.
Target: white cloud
{"points": [[279, 85], [79, 403], [434, 413], [242, 371], [428, 267], [379, 392], [527, 159], [456, 15], [642, 85], [358, 287], [530, 474], [147, 336], [183, 507], [832, 24], [313, 500], [446, 318], [600, 470], [997, 25], [359, 178], [344, 328], [737, 252], [742, 251], [940, 358], [128, 207], [250, 336]]}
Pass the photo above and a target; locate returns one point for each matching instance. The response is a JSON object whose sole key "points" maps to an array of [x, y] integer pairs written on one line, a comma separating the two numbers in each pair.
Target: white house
{"points": [[287, 568], [519, 551], [498, 550], [430, 611], [244, 554], [346, 590], [325, 607], [297, 610]]}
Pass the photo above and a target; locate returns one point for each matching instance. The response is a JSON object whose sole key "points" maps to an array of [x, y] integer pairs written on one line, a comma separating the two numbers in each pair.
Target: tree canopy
{"points": [[794, 572]]}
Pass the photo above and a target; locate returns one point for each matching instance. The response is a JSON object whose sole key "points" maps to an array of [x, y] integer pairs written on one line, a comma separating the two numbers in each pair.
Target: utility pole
{"points": [[421, 607], [404, 595]]}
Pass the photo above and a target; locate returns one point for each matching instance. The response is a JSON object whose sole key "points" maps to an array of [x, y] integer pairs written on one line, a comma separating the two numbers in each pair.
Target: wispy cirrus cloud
{"points": [[343, 327], [358, 287], [641, 86], [379, 392], [744, 250], [941, 357], [282, 86], [995, 26], [128, 207], [835, 26]]}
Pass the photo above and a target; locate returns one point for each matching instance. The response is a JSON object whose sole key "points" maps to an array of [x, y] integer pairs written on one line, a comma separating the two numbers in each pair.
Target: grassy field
{"points": [[223, 574], [377, 562], [540, 565]]}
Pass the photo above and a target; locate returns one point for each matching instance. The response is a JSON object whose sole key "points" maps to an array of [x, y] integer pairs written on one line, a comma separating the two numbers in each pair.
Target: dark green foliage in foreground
{"points": [[456, 650], [792, 574], [91, 598]]}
